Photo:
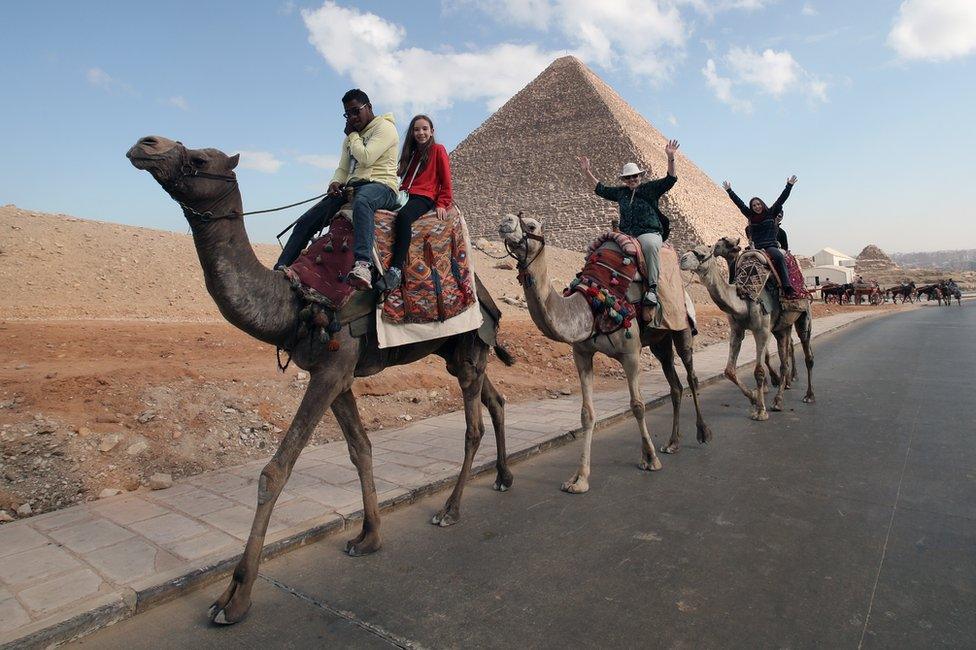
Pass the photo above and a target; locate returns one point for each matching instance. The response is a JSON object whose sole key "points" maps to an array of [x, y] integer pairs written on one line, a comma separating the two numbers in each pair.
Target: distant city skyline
{"points": [[869, 103]]}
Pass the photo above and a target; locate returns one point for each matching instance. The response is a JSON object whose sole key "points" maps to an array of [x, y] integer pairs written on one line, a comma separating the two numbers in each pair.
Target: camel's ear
{"points": [[232, 161]]}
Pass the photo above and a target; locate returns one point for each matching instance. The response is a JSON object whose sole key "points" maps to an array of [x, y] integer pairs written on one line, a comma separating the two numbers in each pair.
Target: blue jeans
{"points": [[369, 198]]}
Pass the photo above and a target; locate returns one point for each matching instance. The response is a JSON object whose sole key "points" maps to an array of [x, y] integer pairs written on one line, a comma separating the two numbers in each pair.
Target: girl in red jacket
{"points": [[425, 171]]}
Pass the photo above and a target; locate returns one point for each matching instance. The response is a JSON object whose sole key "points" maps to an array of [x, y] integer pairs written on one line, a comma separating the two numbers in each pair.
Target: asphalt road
{"points": [[847, 523]]}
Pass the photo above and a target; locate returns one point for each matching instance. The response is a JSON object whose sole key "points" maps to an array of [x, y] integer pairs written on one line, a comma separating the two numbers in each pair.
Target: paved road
{"points": [[843, 524]]}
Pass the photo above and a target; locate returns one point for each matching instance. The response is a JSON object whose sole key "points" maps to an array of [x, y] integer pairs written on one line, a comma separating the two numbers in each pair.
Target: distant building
{"points": [[833, 273], [832, 257]]}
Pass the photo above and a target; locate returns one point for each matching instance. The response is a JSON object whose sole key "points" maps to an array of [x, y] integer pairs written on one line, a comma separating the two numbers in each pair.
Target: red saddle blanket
{"points": [[319, 274], [796, 275], [438, 282], [605, 278]]}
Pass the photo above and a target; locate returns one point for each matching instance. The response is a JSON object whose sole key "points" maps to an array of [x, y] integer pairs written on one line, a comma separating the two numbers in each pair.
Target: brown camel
{"points": [[570, 320], [261, 302], [749, 315]]}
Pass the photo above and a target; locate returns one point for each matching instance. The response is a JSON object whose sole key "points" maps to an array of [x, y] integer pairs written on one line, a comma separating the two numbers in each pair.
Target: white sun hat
{"points": [[630, 169]]}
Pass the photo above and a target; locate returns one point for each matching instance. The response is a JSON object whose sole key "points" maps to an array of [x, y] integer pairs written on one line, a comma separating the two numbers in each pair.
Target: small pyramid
{"points": [[523, 158], [873, 259]]}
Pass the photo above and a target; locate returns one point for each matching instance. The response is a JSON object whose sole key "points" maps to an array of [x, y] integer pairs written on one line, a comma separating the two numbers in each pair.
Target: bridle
{"points": [[187, 170], [523, 265]]}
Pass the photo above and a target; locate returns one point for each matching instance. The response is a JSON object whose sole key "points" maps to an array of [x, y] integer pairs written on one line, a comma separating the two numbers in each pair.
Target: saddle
{"points": [[754, 268], [612, 281]]}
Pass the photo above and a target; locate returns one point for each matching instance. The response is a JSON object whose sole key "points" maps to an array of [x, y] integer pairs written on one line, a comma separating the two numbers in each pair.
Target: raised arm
{"points": [[777, 207], [584, 164], [743, 208], [670, 150]]}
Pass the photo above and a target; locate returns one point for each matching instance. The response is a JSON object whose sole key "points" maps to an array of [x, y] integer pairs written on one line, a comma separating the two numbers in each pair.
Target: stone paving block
{"points": [[441, 453], [221, 482], [59, 519], [404, 446], [299, 510], [59, 592], [331, 496], [327, 452], [403, 459], [237, 521], [130, 560], [332, 473], [17, 537], [197, 501], [91, 534], [306, 461], [248, 496], [129, 510], [167, 528], [12, 615], [209, 543], [403, 476], [36, 564]]}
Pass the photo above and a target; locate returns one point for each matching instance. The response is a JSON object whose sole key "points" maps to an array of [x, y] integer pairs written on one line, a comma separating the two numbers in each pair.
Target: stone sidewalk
{"points": [[66, 573]]}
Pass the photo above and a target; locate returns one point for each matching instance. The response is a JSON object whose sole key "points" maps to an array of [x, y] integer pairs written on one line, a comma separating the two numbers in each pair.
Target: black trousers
{"points": [[415, 208], [779, 259]]}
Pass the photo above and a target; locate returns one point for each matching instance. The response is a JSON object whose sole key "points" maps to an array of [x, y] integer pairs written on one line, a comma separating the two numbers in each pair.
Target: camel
{"points": [[749, 315], [262, 303], [570, 320]]}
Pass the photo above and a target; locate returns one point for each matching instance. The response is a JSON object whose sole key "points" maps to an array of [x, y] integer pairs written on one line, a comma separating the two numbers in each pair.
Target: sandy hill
{"points": [[59, 267]]}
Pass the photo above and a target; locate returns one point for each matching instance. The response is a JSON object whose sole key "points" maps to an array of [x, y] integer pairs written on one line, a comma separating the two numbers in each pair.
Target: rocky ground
{"points": [[115, 366]]}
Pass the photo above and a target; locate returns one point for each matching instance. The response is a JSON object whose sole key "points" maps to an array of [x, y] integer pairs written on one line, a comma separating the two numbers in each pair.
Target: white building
{"points": [[832, 257], [834, 273]]}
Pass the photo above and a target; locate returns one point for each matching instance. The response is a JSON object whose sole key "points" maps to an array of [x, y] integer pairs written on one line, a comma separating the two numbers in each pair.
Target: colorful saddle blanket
{"points": [[438, 282], [605, 279], [319, 274], [753, 269]]}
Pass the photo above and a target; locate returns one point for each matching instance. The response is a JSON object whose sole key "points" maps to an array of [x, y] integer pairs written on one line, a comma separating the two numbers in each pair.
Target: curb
{"points": [[159, 589]]}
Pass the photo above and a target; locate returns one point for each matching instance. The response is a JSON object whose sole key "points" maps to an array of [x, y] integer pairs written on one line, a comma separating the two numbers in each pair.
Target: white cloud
{"points": [[809, 9], [286, 8], [411, 77], [101, 79], [179, 102], [773, 72], [322, 161], [722, 87], [672, 120], [934, 30], [647, 38], [260, 161]]}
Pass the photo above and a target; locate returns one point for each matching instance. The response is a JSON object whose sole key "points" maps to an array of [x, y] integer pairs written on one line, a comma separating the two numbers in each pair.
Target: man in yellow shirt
{"points": [[368, 163]]}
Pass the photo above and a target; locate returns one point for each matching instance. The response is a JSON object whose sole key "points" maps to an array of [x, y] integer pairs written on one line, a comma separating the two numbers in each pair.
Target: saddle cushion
{"points": [[319, 274], [438, 282], [752, 271], [796, 276], [604, 280]]}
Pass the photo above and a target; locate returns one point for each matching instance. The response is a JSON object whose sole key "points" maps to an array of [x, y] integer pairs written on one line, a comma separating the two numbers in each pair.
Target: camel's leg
{"points": [[233, 604], [804, 328], [684, 343], [773, 376], [663, 350], [631, 363], [580, 483], [789, 384], [736, 334], [761, 337], [361, 453], [471, 377], [783, 347], [495, 404]]}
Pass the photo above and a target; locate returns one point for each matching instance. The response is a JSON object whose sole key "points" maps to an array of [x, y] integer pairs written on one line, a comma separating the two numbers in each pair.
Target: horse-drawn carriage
{"points": [[852, 292]]}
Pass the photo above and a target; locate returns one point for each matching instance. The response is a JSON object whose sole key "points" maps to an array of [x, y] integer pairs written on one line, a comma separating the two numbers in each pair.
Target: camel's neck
{"points": [[250, 296], [722, 292], [566, 319]]}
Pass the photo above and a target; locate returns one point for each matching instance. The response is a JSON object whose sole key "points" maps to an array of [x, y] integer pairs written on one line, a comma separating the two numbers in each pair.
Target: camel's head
{"points": [[197, 178], [728, 247], [697, 258], [522, 237]]}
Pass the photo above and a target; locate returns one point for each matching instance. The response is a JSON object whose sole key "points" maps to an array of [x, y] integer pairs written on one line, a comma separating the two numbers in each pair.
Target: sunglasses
{"points": [[353, 112], [632, 177]]}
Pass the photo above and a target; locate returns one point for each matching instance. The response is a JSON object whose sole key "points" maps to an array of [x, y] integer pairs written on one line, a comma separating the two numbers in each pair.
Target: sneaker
{"points": [[650, 298], [360, 277]]}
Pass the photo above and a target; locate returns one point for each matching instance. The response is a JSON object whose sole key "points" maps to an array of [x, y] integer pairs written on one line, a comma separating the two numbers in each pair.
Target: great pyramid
{"points": [[523, 158]]}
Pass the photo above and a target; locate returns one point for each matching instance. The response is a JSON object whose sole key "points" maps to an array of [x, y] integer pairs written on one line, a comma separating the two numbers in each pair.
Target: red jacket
{"points": [[434, 180]]}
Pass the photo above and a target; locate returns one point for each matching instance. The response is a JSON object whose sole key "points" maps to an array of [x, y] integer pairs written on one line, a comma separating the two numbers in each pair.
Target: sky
{"points": [[869, 103]]}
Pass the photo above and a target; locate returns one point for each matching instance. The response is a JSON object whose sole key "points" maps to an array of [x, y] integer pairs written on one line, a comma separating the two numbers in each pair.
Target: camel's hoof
{"points": [[444, 519], [704, 434], [503, 481], [362, 546], [777, 406], [220, 617], [653, 466], [760, 417], [500, 487], [671, 448], [809, 399], [576, 486]]}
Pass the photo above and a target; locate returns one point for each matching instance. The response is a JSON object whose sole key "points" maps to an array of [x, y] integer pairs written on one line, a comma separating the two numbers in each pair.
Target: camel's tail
{"points": [[503, 354]]}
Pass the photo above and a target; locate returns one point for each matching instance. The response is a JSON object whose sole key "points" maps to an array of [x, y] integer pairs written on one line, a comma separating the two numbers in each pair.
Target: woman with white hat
{"points": [[640, 216]]}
